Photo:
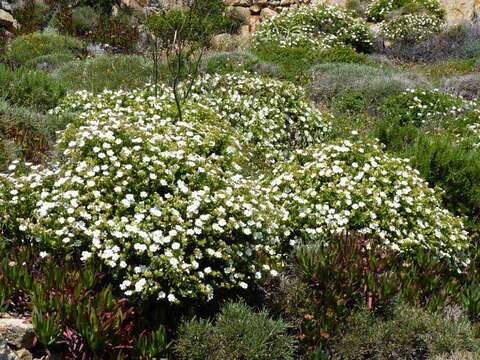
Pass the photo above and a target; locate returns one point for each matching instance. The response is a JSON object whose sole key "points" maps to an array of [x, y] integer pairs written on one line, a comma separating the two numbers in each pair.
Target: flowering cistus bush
{"points": [[319, 26], [380, 10], [350, 185], [411, 28], [163, 203], [273, 116]]}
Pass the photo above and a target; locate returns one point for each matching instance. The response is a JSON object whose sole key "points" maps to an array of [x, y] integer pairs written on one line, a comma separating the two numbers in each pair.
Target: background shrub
{"points": [[27, 47], [26, 134], [105, 72], [461, 41], [238, 61], [369, 84], [466, 86], [321, 27], [238, 333], [84, 19], [31, 88], [410, 333], [49, 62]]}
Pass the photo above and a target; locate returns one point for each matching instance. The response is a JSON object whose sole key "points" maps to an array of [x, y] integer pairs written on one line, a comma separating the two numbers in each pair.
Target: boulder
{"points": [[24, 354], [267, 13], [459, 11], [6, 353], [7, 20], [17, 332], [241, 11]]}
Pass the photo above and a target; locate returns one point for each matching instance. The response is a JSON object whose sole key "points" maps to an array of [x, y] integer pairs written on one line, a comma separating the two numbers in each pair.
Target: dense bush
{"points": [[168, 209], [31, 88], [238, 333], [84, 19], [354, 186], [317, 26], [27, 133], [431, 110], [461, 41], [380, 10], [448, 155], [372, 84], [105, 72], [411, 28], [410, 333], [238, 61], [27, 47], [467, 86], [273, 116]]}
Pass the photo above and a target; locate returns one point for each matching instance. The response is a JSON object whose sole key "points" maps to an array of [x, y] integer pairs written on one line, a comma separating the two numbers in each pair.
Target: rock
{"points": [[255, 9], [131, 4], [267, 13], [241, 11], [7, 20], [18, 333], [238, 2], [6, 6], [24, 354], [244, 31], [459, 11], [6, 353]]}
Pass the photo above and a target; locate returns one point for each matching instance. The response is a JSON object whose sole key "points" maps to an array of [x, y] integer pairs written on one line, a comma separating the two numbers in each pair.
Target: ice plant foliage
{"points": [[351, 185], [318, 26]]}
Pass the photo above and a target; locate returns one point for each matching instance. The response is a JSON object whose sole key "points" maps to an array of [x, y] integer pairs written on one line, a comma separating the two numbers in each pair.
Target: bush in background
{"points": [[411, 28], [458, 42], [84, 19], [28, 47], [105, 72], [466, 86], [408, 333], [321, 27], [31, 88], [369, 84], [238, 333], [380, 10], [238, 61]]}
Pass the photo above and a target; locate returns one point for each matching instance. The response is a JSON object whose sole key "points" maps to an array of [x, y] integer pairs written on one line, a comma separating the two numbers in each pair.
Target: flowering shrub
{"points": [[318, 26], [435, 111], [163, 203], [411, 28], [355, 186], [422, 107], [274, 116], [379, 10]]}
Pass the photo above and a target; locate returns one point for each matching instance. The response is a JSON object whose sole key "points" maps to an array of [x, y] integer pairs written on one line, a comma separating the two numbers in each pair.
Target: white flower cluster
{"points": [[354, 186], [319, 26], [162, 202], [411, 27], [273, 116]]}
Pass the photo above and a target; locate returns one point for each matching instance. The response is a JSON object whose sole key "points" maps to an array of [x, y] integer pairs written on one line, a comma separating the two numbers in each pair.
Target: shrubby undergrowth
{"points": [[318, 26]]}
